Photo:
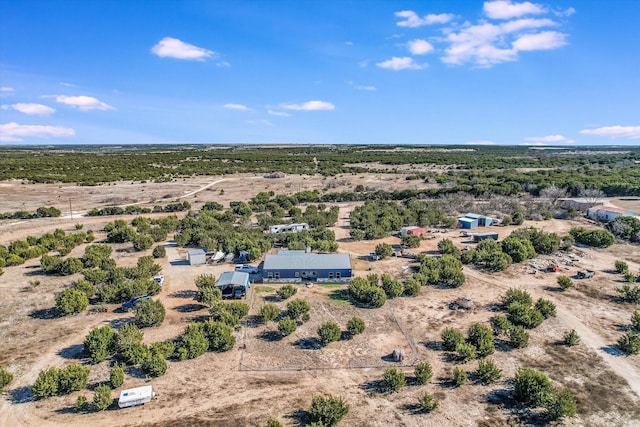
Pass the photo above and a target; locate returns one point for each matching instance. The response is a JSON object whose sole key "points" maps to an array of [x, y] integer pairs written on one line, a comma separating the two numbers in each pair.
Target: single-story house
{"points": [[301, 266], [577, 203], [288, 228], [413, 230], [607, 213], [197, 256], [231, 281]]}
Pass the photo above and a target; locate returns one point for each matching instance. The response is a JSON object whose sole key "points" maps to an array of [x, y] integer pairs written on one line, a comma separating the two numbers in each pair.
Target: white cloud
{"points": [[349, 43], [238, 107], [412, 20], [310, 106], [82, 102], [261, 122], [550, 139], [420, 47], [486, 44], [397, 64], [65, 84], [483, 142], [278, 113], [13, 132], [6, 89], [541, 41], [563, 13], [630, 132], [32, 109], [505, 9], [223, 64], [170, 47]]}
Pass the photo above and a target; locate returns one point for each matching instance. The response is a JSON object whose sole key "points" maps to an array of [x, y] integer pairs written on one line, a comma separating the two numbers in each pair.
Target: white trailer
{"points": [[135, 396]]}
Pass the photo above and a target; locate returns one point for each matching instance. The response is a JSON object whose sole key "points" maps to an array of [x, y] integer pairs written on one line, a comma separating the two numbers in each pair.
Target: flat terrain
{"points": [[265, 375]]}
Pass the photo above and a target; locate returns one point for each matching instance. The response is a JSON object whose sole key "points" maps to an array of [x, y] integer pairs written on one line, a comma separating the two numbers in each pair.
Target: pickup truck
{"points": [[586, 274], [246, 268], [133, 302]]}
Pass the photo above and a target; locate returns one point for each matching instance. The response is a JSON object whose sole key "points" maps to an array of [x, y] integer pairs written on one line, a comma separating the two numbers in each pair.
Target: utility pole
{"points": [[70, 210]]}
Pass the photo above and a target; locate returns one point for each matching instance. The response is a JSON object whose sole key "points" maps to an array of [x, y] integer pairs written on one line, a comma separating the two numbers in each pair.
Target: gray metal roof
{"points": [[286, 260], [197, 252], [474, 216], [465, 219], [231, 278]]}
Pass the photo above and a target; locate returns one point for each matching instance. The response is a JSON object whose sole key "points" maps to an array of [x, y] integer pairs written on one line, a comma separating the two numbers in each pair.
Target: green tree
{"points": [[355, 326], [286, 291], [287, 326], [410, 241], [142, 242], [71, 301], [81, 403], [159, 252], [192, 343], [272, 422], [329, 332], [297, 308], [427, 402], [629, 343], [392, 287], [72, 378], [446, 247], [154, 365], [328, 410], [517, 295], [532, 387], [102, 398], [100, 343], [6, 378], [635, 320], [393, 379], [481, 337], [116, 376], [561, 404], [384, 250], [565, 282], [521, 314], [46, 385], [423, 372], [518, 337], [451, 338], [546, 307], [149, 313], [459, 377], [571, 338], [465, 352], [412, 287], [488, 372], [269, 312], [219, 335], [629, 294], [621, 267], [500, 324]]}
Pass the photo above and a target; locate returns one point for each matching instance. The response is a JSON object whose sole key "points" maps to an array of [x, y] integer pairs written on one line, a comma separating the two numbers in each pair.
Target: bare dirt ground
{"points": [[265, 375]]}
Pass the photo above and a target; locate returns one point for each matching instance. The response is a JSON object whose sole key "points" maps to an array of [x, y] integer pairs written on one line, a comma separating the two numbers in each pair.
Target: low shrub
{"points": [[102, 398], [451, 338], [297, 308], [560, 404], [466, 352], [71, 301], [571, 338], [488, 372], [154, 365], [269, 312], [116, 376], [393, 379], [423, 372], [6, 378], [355, 326], [329, 332], [427, 402], [629, 343], [328, 410], [287, 326], [565, 282], [518, 337], [531, 387], [287, 291], [546, 308], [459, 377], [149, 313]]}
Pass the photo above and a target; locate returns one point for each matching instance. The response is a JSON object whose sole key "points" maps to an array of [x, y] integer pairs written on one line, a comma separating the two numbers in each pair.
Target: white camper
{"points": [[135, 396]]}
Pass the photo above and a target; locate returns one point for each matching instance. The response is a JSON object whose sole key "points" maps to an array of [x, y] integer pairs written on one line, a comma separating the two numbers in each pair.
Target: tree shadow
{"points": [[270, 336], [21, 395], [524, 415], [135, 371], [43, 314], [189, 308], [339, 295], [412, 408], [502, 345], [179, 262], [312, 343], [612, 350], [300, 417], [67, 410], [434, 345], [272, 298], [374, 386], [622, 328], [556, 289], [184, 293], [253, 321], [74, 351], [121, 321]]}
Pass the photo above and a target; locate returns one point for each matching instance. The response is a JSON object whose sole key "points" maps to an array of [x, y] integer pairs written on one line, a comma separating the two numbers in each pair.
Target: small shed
{"points": [[478, 237], [231, 281], [135, 396], [405, 230], [197, 256], [417, 231]]}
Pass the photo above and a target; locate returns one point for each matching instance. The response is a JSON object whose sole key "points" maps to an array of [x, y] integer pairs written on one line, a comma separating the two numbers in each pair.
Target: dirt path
{"points": [[204, 187], [588, 337]]}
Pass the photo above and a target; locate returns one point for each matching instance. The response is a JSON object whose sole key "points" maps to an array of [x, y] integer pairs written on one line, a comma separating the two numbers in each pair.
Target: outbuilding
{"points": [[412, 230], [233, 284], [197, 256], [301, 266], [467, 223], [607, 213], [478, 237], [135, 396]]}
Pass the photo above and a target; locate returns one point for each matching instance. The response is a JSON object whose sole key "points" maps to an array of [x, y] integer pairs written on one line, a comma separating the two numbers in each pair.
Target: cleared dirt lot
{"points": [[264, 375]]}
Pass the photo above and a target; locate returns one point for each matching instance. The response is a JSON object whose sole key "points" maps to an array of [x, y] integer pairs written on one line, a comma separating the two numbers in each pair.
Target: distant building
{"points": [[577, 203], [607, 213], [478, 237], [300, 266], [472, 220], [197, 256], [288, 228], [413, 230], [276, 174]]}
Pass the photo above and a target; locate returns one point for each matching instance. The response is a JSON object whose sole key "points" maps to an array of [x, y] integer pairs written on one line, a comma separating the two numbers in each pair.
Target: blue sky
{"points": [[398, 72]]}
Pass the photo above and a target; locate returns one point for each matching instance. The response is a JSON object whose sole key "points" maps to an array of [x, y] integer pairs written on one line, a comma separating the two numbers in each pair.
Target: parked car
{"points": [[133, 302], [586, 274], [246, 268]]}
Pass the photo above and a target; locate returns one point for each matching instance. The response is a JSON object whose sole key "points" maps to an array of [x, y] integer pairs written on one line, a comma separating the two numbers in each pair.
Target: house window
{"points": [[277, 275], [314, 274], [297, 274], [338, 275], [331, 275]]}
